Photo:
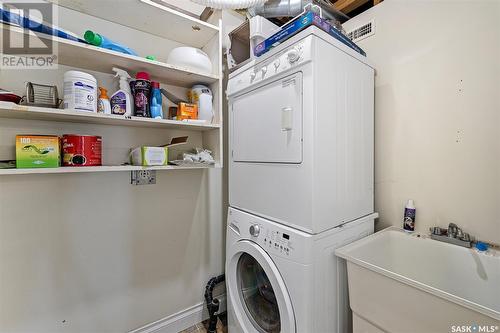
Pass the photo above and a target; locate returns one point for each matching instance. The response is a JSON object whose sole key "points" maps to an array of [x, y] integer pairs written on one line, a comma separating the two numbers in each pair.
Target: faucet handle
{"points": [[452, 230], [436, 231]]}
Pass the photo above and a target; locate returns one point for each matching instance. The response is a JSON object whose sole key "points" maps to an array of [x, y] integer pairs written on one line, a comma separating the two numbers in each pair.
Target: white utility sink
{"points": [[401, 282]]}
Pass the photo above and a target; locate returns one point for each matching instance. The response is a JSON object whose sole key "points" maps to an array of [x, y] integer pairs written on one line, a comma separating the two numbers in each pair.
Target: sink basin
{"points": [[401, 282]]}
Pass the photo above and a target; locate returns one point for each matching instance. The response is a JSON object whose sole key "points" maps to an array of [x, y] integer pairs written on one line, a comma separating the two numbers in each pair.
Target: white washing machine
{"points": [[301, 134], [280, 279]]}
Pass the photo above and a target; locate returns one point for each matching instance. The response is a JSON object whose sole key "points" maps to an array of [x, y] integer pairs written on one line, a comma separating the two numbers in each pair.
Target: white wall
{"points": [[437, 110], [90, 252]]}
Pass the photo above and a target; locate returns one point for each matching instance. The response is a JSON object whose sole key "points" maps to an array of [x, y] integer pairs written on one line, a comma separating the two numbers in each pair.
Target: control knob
{"points": [[293, 55], [254, 230]]}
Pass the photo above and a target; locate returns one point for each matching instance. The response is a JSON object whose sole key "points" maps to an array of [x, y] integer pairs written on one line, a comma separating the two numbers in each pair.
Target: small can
{"points": [[81, 150]]}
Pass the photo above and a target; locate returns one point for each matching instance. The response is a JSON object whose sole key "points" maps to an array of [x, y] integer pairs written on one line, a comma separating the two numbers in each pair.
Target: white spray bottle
{"points": [[409, 216], [121, 101]]}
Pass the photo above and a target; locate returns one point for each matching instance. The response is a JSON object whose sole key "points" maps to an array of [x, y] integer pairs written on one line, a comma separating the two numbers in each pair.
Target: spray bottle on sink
{"points": [[409, 217], [121, 101]]}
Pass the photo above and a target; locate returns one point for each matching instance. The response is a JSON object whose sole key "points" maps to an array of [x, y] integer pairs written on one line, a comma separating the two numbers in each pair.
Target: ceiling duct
{"points": [[292, 8]]}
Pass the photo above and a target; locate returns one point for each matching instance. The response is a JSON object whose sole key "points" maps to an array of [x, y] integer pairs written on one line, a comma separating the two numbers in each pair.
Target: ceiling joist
{"points": [[347, 6]]}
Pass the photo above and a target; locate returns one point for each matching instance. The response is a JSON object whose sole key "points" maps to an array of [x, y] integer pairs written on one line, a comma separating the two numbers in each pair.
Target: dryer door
{"points": [[266, 123], [257, 292]]}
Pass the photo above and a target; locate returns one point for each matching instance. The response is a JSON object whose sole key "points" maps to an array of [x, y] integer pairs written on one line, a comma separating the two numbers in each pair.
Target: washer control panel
{"points": [[272, 240], [282, 61], [279, 241]]}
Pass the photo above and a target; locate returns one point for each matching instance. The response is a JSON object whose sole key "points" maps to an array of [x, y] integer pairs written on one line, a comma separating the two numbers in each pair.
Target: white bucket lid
{"points": [[79, 75]]}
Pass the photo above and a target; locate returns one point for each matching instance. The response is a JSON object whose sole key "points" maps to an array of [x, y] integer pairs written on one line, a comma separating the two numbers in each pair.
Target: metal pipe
{"points": [[229, 4], [291, 8]]}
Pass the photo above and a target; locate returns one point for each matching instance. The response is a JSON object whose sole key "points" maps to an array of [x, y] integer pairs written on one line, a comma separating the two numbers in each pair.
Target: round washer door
{"points": [[258, 294]]}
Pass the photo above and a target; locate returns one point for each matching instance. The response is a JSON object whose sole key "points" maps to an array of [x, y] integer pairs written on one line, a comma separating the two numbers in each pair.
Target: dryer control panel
{"points": [[291, 57]]}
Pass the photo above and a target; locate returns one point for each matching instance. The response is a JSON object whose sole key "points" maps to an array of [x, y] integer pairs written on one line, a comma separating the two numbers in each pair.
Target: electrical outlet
{"points": [[143, 177]]}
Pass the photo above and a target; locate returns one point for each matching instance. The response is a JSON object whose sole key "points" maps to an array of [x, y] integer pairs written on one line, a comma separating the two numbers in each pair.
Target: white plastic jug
{"points": [[202, 96]]}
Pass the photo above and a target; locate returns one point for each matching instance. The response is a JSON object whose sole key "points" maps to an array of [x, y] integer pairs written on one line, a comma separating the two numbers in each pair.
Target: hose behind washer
{"points": [[212, 303]]}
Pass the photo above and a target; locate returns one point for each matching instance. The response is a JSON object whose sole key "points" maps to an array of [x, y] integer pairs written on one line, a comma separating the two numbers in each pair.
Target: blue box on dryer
{"points": [[298, 24]]}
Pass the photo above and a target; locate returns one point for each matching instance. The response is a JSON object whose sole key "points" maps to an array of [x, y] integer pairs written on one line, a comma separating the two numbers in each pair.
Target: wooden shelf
{"points": [[94, 58], [60, 170], [348, 6], [148, 16], [145, 15], [14, 111]]}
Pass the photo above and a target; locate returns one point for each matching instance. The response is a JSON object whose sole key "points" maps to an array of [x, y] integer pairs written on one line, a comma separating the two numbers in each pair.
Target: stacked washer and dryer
{"points": [[301, 145]]}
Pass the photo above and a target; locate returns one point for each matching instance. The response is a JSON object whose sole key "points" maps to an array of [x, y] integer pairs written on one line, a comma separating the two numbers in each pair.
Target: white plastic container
{"points": [[260, 29], [202, 96], [80, 91], [190, 57]]}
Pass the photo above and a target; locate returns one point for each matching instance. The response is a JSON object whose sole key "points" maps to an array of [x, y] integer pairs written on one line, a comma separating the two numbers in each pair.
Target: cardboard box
{"points": [[298, 24], [154, 156], [149, 156], [187, 111], [37, 151]]}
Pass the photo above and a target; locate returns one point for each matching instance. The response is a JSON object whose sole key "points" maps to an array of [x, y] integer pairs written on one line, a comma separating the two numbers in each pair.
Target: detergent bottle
{"points": [[142, 94], [121, 101], [156, 110]]}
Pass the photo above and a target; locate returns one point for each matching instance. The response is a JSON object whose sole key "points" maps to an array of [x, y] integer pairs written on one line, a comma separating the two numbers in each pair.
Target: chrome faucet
{"points": [[452, 235]]}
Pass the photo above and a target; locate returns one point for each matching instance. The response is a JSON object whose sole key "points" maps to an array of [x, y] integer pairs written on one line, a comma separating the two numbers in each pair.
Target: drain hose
{"points": [[212, 303]]}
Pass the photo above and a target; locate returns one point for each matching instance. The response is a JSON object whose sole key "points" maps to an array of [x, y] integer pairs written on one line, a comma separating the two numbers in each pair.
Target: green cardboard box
{"points": [[37, 151]]}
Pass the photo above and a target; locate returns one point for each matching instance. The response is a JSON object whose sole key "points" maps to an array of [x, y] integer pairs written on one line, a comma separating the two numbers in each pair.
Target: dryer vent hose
{"points": [[229, 4], [212, 303]]}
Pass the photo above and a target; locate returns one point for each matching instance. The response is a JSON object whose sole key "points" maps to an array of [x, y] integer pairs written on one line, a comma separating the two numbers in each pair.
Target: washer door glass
{"points": [[258, 295]]}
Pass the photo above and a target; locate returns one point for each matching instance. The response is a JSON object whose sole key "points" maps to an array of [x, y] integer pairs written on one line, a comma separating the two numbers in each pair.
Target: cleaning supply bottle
{"points": [[155, 109], [142, 94], [202, 96], [121, 101], [409, 217], [156, 102], [96, 39], [103, 104]]}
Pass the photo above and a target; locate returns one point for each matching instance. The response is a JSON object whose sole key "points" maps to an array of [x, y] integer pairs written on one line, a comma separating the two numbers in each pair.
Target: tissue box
{"points": [[37, 151], [149, 156], [154, 156]]}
